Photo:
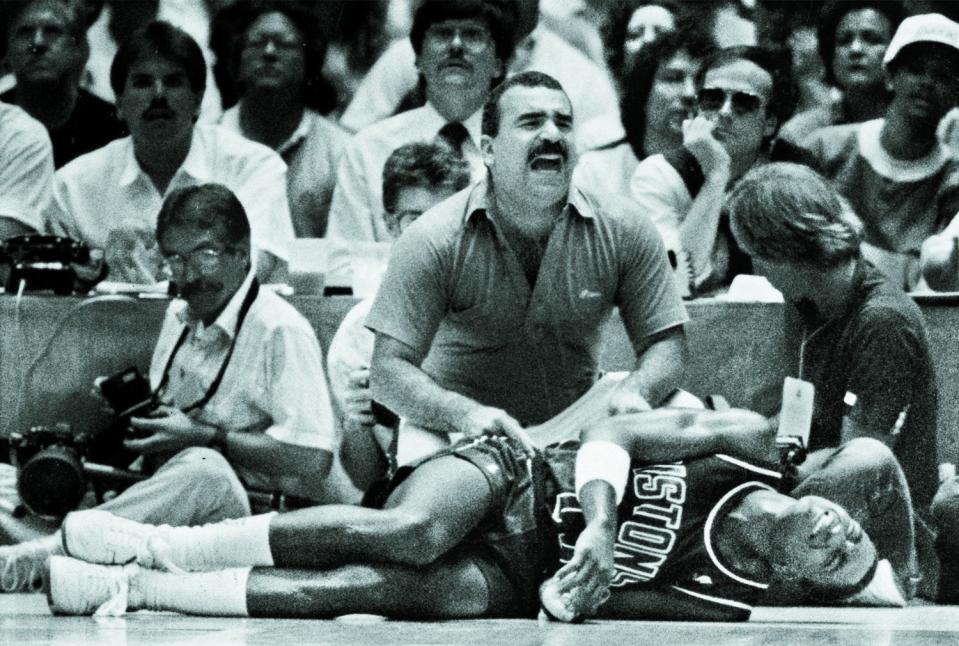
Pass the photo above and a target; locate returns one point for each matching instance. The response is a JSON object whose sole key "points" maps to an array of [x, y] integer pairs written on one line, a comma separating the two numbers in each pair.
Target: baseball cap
{"points": [[926, 28]]}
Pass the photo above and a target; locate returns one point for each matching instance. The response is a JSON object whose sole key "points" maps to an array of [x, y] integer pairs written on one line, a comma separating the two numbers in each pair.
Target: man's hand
{"points": [[699, 140], [357, 403], [486, 420], [939, 260], [132, 254], [624, 400], [170, 429], [581, 586]]}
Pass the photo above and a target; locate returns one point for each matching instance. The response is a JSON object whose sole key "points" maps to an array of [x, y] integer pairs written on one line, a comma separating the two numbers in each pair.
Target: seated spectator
{"points": [[47, 51], [863, 347], [239, 377], [416, 177], [743, 95], [659, 96], [393, 77], [853, 37], [26, 172], [277, 66], [667, 530], [461, 51], [896, 175], [109, 198], [489, 315], [630, 26]]}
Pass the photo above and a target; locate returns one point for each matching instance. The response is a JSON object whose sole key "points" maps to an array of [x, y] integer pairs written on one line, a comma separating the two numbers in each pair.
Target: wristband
{"points": [[219, 440], [603, 460]]}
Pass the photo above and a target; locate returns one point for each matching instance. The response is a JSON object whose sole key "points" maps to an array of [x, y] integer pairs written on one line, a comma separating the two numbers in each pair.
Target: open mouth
{"points": [[551, 162], [157, 114], [826, 525]]}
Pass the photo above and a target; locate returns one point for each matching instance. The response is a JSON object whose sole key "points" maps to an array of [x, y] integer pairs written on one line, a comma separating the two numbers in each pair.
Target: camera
{"points": [[43, 262], [49, 460]]}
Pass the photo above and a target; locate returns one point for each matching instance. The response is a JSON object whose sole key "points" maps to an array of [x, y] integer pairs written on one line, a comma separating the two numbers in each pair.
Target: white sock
{"points": [[237, 542], [221, 593]]}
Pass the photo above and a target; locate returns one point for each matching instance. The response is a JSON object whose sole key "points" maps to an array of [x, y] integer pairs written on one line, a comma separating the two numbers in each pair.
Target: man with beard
{"points": [[461, 47], [506, 286], [109, 198], [47, 51], [239, 376]]}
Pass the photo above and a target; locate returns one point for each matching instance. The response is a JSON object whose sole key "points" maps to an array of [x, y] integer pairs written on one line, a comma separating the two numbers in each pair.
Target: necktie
{"points": [[455, 134]]}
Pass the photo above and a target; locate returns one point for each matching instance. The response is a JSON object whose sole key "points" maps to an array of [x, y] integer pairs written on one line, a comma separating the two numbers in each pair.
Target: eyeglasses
{"points": [[712, 99], [202, 261], [475, 39]]}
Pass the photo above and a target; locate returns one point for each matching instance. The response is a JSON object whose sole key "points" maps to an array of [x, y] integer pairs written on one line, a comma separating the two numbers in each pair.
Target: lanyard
{"points": [[215, 384]]}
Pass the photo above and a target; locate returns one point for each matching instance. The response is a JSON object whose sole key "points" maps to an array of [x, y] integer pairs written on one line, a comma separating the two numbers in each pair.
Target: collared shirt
{"points": [[26, 167], [394, 74], [357, 209], [312, 154], [901, 202], [454, 288], [107, 189], [274, 382]]}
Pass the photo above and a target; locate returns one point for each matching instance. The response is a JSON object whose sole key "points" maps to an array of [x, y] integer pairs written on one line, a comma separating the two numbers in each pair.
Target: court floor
{"points": [[25, 620]]}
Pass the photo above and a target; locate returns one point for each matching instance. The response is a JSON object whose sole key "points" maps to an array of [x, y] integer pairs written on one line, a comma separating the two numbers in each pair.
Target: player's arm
{"points": [[670, 604], [665, 435]]}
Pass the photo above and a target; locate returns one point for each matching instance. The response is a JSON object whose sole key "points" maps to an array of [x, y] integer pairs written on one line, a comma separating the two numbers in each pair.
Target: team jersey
{"points": [[666, 525]]}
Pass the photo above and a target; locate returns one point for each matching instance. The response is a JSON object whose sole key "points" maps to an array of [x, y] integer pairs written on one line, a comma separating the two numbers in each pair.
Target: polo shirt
{"points": [[454, 288]]}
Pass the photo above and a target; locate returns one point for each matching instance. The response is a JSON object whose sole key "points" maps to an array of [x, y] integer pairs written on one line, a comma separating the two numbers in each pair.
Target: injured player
{"points": [[664, 514]]}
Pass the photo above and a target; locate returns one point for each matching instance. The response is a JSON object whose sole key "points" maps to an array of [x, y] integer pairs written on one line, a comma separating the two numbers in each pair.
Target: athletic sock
{"points": [[221, 593], [237, 542]]}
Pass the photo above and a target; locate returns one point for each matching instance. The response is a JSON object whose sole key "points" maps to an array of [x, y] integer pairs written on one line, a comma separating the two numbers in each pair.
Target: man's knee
{"points": [[869, 453], [199, 465], [420, 539], [945, 511]]}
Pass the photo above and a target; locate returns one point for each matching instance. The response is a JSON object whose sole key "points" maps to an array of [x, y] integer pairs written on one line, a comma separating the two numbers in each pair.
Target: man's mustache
{"points": [[158, 108], [550, 148]]}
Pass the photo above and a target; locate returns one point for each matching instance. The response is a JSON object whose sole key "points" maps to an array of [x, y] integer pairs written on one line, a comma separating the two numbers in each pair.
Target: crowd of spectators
{"points": [[810, 143]]}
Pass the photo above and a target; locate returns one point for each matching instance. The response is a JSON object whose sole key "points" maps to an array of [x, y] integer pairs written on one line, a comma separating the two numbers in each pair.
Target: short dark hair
{"points": [[159, 38], [833, 14], [206, 206], [523, 79], [429, 165], [500, 17], [616, 27], [228, 30], [777, 62], [788, 212], [639, 80]]}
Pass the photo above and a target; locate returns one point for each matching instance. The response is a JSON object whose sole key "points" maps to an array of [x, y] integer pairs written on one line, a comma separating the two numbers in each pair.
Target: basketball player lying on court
{"points": [[677, 516]]}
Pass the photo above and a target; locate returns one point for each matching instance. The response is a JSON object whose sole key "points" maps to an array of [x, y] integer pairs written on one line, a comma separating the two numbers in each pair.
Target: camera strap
{"points": [[251, 295]]}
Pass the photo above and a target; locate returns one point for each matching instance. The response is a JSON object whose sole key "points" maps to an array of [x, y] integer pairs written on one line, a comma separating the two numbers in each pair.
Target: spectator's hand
{"points": [[624, 400], [494, 421], [132, 254], [699, 140], [169, 429], [939, 260], [357, 403], [581, 586]]}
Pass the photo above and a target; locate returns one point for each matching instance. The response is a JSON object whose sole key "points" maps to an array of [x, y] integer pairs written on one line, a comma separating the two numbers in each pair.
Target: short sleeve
{"points": [[662, 196], [26, 171]]}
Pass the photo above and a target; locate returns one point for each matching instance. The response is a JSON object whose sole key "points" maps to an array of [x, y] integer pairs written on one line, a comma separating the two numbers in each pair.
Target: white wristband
{"points": [[603, 460]]}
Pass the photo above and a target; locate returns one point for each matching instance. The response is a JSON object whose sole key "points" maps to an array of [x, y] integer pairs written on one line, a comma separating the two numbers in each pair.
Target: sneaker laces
{"points": [[22, 569], [116, 605], [158, 556]]}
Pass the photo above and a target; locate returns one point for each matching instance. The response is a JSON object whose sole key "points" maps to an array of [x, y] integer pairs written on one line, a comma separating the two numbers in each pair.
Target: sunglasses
{"points": [[713, 99]]}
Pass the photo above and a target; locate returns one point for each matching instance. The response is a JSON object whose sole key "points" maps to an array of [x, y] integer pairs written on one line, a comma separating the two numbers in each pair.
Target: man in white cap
{"points": [[897, 176]]}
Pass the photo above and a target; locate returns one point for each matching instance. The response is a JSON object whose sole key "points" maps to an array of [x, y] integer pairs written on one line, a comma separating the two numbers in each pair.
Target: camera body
{"points": [[128, 393], [43, 262], [49, 460]]}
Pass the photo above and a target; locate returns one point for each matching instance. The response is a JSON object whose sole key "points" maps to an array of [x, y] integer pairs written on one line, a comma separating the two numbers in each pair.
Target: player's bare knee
{"points": [[419, 540]]}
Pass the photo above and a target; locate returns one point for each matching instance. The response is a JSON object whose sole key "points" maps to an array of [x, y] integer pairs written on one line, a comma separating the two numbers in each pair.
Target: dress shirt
{"points": [[26, 167]]}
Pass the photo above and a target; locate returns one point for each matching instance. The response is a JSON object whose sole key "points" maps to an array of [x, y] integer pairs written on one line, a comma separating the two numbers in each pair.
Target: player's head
{"points": [[816, 542]]}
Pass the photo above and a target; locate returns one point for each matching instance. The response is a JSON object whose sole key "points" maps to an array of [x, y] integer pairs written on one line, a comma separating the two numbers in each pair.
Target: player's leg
{"points": [[426, 515]]}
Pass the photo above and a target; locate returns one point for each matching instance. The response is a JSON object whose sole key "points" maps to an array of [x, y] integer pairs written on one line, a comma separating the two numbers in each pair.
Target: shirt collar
{"points": [[194, 164], [433, 120], [228, 318], [231, 120], [480, 198]]}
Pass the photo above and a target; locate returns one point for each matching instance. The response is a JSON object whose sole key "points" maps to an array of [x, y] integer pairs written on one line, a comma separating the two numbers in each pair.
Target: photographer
{"points": [[236, 369]]}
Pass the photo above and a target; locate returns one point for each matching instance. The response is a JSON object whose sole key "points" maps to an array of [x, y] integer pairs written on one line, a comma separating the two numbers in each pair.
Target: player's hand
{"points": [[582, 585], [487, 420], [698, 139], [624, 400], [358, 400], [169, 429]]}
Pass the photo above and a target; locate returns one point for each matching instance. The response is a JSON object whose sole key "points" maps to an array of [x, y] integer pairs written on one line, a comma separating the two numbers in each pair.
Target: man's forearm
{"points": [[660, 435], [255, 450], [659, 369]]}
